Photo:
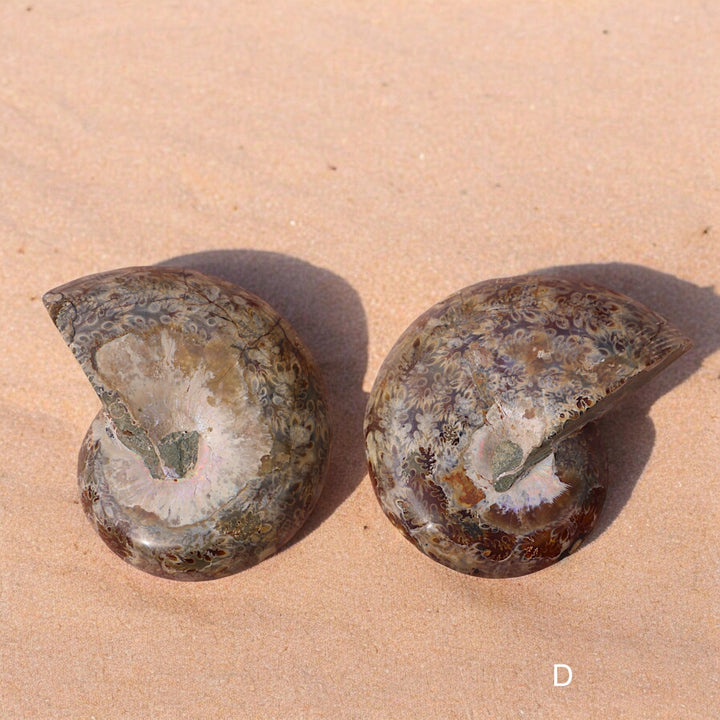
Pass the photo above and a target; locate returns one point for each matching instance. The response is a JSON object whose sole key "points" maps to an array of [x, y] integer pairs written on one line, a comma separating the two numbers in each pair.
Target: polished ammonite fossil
{"points": [[212, 443], [477, 433]]}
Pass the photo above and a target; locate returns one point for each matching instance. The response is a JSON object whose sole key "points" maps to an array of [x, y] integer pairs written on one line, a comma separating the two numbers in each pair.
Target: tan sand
{"points": [[354, 162]]}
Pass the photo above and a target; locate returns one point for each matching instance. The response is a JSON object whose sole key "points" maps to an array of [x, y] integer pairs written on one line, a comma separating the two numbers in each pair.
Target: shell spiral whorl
{"points": [[211, 447], [476, 428]]}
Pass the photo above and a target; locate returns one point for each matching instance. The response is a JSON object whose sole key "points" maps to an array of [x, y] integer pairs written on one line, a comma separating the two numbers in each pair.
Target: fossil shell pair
{"points": [[212, 445]]}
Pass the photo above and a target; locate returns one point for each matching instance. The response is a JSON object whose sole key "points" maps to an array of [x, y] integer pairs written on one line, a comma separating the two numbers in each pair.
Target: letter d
{"points": [[569, 675]]}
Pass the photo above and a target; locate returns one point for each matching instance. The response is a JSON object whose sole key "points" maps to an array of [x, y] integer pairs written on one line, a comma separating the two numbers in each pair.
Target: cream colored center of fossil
{"points": [[501, 446], [192, 401]]}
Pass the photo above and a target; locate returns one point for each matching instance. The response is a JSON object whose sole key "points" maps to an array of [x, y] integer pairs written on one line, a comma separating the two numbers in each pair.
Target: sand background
{"points": [[353, 163]]}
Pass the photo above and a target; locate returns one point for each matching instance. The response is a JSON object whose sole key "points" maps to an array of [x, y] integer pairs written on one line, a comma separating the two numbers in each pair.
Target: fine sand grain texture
{"points": [[353, 163]]}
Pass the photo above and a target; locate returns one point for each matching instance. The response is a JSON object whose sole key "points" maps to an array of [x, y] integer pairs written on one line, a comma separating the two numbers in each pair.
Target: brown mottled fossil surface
{"points": [[210, 450]]}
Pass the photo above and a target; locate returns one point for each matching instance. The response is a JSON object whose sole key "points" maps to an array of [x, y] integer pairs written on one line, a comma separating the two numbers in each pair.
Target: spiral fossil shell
{"points": [[477, 433], [211, 447]]}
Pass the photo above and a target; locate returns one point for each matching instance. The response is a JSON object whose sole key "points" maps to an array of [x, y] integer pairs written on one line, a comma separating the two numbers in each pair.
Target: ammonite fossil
{"points": [[476, 429], [211, 446]]}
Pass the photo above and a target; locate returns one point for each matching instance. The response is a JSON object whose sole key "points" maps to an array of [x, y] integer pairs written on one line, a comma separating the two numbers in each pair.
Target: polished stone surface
{"points": [[476, 429], [210, 450]]}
